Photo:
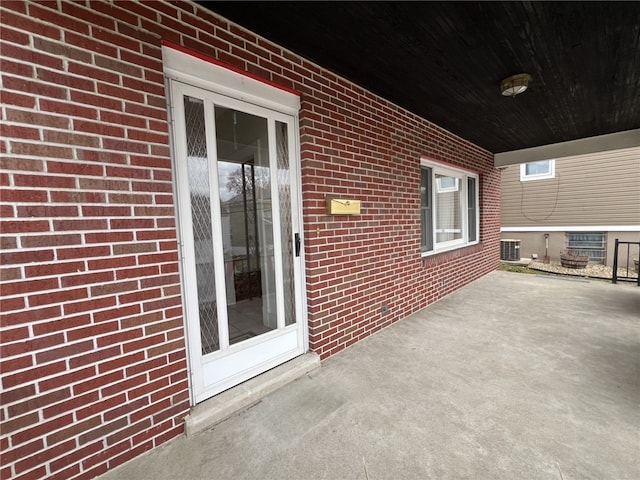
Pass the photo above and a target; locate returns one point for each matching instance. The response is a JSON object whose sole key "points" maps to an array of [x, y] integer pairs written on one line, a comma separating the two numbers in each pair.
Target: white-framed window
{"points": [[449, 208], [447, 184], [537, 170]]}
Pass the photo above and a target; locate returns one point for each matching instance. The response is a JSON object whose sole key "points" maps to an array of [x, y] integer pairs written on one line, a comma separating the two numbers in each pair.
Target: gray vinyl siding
{"points": [[588, 190]]}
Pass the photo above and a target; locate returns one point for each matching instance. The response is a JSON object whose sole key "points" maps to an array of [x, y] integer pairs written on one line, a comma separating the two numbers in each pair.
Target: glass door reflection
{"points": [[244, 187]]}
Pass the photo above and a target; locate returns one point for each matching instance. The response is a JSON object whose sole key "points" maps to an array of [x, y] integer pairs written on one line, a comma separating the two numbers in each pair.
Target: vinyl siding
{"points": [[588, 190]]}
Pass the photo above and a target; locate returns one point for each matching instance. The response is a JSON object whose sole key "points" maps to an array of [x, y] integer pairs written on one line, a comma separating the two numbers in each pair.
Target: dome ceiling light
{"points": [[514, 85]]}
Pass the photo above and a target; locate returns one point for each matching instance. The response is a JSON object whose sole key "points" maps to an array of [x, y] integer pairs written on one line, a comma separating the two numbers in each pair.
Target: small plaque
{"points": [[343, 206]]}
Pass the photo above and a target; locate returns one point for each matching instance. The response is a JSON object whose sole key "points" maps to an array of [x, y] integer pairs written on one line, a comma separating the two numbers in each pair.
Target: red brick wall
{"points": [[356, 145], [93, 364]]}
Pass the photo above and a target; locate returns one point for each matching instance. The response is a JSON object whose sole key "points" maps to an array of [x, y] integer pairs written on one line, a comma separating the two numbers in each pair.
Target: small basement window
{"points": [[537, 170], [593, 244]]}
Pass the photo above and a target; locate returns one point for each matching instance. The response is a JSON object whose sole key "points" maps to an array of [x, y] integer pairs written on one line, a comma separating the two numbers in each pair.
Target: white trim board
{"points": [[601, 143], [193, 70], [575, 228]]}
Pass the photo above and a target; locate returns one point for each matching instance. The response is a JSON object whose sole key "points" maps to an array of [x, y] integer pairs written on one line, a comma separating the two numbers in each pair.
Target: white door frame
{"points": [[188, 73]]}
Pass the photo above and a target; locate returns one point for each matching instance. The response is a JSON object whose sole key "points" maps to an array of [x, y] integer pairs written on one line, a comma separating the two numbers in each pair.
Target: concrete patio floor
{"points": [[512, 377]]}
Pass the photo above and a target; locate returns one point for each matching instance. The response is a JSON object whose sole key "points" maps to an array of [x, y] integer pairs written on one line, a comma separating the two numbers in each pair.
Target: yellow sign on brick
{"points": [[343, 206]]}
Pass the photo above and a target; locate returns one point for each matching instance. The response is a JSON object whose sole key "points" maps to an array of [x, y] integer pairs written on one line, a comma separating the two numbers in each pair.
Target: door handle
{"points": [[297, 243]]}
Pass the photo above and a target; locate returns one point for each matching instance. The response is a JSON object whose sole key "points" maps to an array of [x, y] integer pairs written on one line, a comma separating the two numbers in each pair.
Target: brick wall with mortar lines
{"points": [[93, 351], [365, 272], [93, 356]]}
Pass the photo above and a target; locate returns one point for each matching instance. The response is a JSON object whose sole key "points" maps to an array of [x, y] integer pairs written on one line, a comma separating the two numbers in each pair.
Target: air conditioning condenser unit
{"points": [[510, 250]]}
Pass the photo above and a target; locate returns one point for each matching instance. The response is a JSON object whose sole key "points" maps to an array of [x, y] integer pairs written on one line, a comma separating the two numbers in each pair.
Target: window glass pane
{"points": [[447, 184], [198, 168], [244, 184], [471, 209], [426, 193], [284, 190], [448, 214], [538, 168]]}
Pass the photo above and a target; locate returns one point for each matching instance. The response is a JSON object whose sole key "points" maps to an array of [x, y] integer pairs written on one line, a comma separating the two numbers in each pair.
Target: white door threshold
{"points": [[225, 404]]}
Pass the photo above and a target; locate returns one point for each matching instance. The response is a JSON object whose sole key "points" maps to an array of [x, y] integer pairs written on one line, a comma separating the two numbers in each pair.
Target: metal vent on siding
{"points": [[510, 250]]}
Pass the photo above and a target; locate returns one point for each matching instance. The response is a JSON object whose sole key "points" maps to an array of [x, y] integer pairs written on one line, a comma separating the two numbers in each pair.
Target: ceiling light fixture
{"points": [[515, 84]]}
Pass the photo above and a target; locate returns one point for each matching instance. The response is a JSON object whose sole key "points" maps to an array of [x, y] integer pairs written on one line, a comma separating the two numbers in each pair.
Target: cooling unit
{"points": [[510, 250]]}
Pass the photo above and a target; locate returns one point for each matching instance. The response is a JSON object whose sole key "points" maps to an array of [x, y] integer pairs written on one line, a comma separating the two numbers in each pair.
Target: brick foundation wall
{"points": [[93, 361]]}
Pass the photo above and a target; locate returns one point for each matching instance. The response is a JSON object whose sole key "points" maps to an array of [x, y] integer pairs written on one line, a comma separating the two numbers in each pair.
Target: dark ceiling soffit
{"points": [[444, 61]]}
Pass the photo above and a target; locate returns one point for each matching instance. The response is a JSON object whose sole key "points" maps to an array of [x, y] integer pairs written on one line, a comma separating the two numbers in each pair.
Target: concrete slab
{"points": [[523, 262], [235, 399], [513, 377]]}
